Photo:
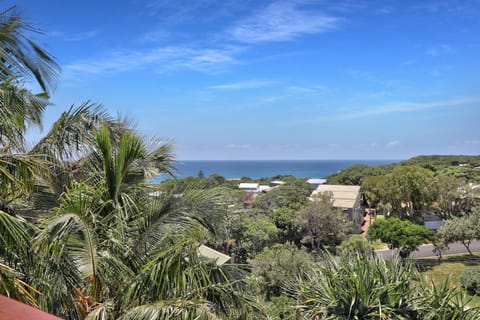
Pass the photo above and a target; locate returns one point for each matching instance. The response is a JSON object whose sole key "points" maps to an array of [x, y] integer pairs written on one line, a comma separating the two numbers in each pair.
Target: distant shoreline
{"points": [[257, 169]]}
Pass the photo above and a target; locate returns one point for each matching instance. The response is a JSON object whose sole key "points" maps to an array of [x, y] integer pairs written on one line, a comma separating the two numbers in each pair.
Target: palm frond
{"points": [[19, 109], [189, 309], [20, 56], [73, 134]]}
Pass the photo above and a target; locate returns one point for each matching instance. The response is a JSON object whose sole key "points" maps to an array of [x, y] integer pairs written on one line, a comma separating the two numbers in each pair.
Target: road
{"points": [[426, 250]]}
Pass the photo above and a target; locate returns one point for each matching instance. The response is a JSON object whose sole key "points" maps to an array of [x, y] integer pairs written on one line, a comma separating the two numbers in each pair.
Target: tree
{"points": [[409, 190], [449, 197], [463, 229], [135, 256], [293, 195], [373, 187], [286, 221], [354, 175], [322, 224], [252, 233], [400, 234], [276, 266], [21, 59]]}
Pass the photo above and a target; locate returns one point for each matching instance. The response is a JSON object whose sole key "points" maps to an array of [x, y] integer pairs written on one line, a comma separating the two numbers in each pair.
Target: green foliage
{"points": [[435, 183], [356, 243], [293, 195], [463, 229], [286, 221], [279, 308], [252, 233], [400, 234], [322, 224], [277, 265], [470, 280], [366, 287], [439, 162], [409, 190], [355, 174]]}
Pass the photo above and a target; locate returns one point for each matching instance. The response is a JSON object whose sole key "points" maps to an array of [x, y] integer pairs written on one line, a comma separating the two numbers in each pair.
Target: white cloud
{"points": [[439, 50], [250, 84], [392, 144], [315, 89], [237, 146], [72, 36], [81, 36], [160, 59], [282, 21], [175, 12], [153, 36], [387, 108]]}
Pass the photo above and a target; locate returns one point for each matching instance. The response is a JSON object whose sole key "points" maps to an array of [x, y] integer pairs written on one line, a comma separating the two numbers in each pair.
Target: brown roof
{"points": [[343, 196], [14, 310]]}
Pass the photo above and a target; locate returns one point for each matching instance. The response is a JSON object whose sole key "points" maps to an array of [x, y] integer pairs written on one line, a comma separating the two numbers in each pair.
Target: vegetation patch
{"points": [[450, 269]]}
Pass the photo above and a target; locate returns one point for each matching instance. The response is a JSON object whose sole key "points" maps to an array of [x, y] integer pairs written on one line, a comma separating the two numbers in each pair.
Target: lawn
{"points": [[451, 268]]}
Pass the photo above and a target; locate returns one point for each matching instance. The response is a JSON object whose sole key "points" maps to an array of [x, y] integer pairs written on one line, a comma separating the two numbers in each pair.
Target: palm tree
{"points": [[135, 255], [21, 58]]}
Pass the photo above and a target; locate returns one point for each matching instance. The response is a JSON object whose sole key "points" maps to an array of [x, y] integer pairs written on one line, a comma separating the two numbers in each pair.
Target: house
{"points": [[348, 198], [264, 188], [248, 187], [317, 182], [276, 183], [212, 255]]}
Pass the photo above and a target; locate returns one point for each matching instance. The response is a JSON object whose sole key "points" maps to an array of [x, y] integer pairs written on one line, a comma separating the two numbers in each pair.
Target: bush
{"points": [[356, 244], [470, 280]]}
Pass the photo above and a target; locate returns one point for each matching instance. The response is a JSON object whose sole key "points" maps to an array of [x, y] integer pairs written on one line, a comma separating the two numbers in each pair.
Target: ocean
{"points": [[256, 169]]}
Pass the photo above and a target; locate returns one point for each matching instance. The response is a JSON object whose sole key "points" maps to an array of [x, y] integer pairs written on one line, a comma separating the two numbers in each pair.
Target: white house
{"points": [[248, 187], [264, 188], [317, 182], [276, 183]]}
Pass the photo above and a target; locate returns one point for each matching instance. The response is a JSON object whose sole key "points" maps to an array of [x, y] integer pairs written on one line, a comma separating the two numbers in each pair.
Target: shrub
{"points": [[366, 287], [470, 280]]}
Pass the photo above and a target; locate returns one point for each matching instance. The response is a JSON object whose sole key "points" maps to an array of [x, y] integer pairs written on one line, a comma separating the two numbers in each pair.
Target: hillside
{"points": [[459, 166]]}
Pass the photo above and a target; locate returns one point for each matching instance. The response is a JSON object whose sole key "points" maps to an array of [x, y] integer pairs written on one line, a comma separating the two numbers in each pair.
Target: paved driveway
{"points": [[426, 250]]}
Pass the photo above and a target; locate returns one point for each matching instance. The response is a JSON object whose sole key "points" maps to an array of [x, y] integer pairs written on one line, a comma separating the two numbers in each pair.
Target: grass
{"points": [[450, 268]]}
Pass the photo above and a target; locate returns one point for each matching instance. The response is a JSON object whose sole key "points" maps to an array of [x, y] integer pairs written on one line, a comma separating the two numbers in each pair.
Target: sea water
{"points": [[256, 169]]}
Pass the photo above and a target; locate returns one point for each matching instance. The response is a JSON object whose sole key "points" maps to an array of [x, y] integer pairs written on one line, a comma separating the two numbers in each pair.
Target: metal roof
{"points": [[343, 196], [246, 185], [211, 254], [317, 181]]}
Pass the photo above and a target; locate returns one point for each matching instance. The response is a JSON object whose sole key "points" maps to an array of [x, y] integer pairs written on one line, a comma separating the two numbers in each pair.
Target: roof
{"points": [[14, 310], [264, 188], [317, 181], [343, 196], [278, 182], [211, 254], [245, 185]]}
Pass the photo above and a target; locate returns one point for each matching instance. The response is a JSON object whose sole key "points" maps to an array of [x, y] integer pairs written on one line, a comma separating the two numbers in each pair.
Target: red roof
{"points": [[13, 310]]}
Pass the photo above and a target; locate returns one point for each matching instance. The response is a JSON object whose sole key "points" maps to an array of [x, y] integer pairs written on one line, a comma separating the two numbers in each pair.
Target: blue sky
{"points": [[274, 79]]}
